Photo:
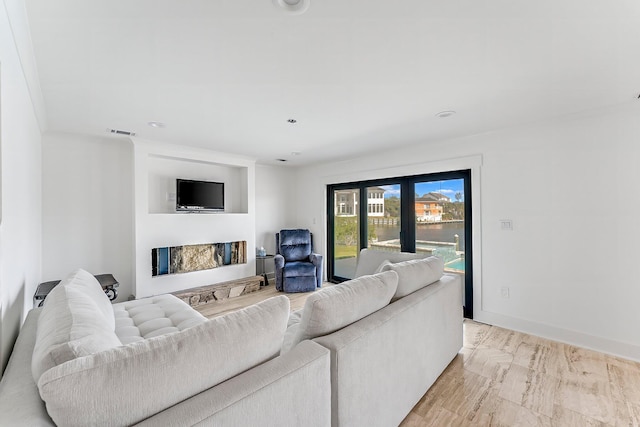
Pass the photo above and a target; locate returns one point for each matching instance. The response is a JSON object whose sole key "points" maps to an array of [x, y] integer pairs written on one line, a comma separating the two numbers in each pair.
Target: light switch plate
{"points": [[506, 224]]}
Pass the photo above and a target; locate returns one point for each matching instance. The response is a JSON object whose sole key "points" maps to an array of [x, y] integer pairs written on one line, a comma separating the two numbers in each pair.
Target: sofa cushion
{"points": [[294, 317], [381, 266], [149, 317], [87, 283], [415, 274], [125, 385], [335, 307], [370, 259], [71, 325]]}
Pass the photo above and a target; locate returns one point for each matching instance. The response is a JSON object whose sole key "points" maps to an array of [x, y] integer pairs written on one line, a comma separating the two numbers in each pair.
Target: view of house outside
{"points": [[439, 223]]}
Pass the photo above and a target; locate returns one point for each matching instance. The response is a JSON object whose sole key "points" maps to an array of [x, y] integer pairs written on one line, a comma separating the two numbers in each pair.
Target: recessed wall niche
{"points": [[164, 170], [157, 224], [188, 258]]}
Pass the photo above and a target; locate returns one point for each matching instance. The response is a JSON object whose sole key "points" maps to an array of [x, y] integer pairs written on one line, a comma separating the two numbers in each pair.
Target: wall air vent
{"points": [[121, 132]]}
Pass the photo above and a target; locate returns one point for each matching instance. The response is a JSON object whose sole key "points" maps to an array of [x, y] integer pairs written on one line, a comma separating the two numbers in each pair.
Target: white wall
{"points": [[90, 221], [572, 189], [153, 229], [87, 207], [21, 121], [274, 193]]}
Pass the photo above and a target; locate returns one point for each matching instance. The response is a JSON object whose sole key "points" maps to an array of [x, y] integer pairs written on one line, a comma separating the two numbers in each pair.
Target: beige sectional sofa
{"points": [[391, 334], [361, 353], [81, 361]]}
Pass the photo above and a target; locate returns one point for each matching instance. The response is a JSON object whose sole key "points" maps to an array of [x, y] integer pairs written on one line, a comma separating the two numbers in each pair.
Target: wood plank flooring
{"points": [[507, 378]]}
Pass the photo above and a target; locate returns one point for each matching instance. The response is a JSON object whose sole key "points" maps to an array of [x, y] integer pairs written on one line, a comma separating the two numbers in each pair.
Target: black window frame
{"points": [[407, 220]]}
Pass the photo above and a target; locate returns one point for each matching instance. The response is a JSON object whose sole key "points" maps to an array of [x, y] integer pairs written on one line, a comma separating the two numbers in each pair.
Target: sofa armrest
{"points": [[20, 402], [276, 393], [278, 262], [316, 259]]}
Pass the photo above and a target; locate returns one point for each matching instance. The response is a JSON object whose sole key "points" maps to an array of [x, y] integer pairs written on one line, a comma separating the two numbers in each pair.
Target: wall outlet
{"points": [[504, 291], [171, 197], [506, 224]]}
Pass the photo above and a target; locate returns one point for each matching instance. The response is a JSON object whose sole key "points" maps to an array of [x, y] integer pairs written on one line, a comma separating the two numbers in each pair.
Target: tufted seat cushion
{"points": [[150, 317]]}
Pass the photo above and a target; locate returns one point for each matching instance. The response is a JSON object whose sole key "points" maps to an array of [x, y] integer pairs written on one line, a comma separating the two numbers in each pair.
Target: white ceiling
{"points": [[358, 75]]}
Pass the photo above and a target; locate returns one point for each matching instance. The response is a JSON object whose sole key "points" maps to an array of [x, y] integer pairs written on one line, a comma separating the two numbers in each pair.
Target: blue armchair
{"points": [[298, 269]]}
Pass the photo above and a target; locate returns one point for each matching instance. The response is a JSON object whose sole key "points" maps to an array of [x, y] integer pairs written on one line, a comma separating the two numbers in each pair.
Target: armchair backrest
{"points": [[294, 245]]}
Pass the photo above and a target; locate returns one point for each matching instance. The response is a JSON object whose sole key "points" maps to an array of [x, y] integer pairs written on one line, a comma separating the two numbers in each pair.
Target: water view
{"points": [[438, 222], [445, 240], [442, 232]]}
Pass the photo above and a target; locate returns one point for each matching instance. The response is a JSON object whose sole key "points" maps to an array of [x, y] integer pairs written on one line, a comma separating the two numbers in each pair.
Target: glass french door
{"points": [[346, 231], [439, 221], [429, 214], [383, 217]]}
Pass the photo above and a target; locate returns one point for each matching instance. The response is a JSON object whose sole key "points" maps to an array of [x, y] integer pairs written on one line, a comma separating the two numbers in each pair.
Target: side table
{"points": [[262, 269], [107, 281]]}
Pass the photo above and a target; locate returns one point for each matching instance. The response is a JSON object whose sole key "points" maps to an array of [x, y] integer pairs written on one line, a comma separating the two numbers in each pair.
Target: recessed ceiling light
{"points": [[292, 121], [156, 124], [294, 7], [443, 114]]}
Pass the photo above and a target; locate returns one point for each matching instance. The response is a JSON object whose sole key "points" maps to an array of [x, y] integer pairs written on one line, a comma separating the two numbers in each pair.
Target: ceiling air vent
{"points": [[121, 132]]}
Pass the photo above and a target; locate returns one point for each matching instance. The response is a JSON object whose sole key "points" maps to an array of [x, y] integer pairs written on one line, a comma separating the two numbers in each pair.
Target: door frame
{"points": [[407, 220]]}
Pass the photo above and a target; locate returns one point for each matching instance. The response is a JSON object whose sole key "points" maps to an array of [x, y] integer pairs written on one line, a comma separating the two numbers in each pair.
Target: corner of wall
{"points": [[22, 120]]}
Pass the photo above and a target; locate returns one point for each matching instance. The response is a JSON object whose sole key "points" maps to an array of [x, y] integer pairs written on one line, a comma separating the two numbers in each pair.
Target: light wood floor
{"points": [[507, 378]]}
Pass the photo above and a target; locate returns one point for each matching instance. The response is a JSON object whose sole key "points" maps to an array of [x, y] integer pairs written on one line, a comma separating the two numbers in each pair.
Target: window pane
{"points": [[440, 221], [383, 220], [346, 232]]}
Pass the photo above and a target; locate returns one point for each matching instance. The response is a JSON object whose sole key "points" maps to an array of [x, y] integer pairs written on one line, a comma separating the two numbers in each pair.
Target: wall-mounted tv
{"points": [[196, 196]]}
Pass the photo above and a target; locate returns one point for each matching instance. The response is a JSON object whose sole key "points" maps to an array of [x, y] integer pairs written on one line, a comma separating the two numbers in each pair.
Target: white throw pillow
{"points": [[87, 283], [415, 274], [126, 385], [71, 325], [335, 307]]}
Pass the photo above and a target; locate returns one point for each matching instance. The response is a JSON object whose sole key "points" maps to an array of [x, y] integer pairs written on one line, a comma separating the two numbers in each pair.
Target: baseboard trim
{"points": [[579, 339]]}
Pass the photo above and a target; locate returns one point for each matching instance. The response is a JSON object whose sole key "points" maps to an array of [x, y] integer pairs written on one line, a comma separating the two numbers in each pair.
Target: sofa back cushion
{"points": [[88, 284], [295, 245], [415, 274], [335, 307], [370, 260], [125, 385], [72, 323]]}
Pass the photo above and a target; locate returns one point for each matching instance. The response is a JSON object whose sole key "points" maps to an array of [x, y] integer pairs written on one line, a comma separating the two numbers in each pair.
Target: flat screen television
{"points": [[196, 196]]}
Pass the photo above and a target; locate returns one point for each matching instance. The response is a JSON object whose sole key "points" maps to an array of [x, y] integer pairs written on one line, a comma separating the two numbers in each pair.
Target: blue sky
{"points": [[449, 188]]}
